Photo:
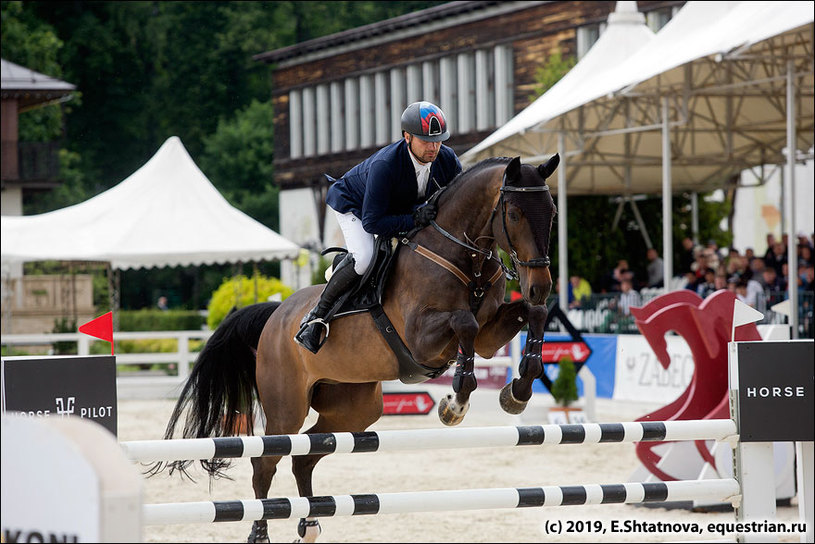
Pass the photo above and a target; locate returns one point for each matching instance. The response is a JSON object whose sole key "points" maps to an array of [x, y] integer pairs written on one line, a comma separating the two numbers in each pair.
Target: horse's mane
{"points": [[472, 171]]}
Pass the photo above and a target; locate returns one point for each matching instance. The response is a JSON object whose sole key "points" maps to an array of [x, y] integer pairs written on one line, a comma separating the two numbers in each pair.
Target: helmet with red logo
{"points": [[426, 121]]}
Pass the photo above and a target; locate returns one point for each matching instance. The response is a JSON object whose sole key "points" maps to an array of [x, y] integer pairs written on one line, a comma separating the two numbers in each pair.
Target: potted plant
{"points": [[564, 391]]}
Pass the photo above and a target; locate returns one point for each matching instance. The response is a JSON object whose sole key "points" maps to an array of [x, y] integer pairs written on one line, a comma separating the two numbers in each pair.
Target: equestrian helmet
{"points": [[426, 121]]}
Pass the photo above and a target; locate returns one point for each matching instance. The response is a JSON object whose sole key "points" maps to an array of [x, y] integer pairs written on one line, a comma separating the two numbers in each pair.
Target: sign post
{"points": [[772, 399]]}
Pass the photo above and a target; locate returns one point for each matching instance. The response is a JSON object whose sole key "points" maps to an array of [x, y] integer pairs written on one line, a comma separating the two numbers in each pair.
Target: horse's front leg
{"points": [[515, 395], [452, 408]]}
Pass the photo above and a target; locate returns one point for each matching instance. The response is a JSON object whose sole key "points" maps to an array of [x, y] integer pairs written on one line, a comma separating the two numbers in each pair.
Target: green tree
{"points": [[238, 158], [550, 73]]}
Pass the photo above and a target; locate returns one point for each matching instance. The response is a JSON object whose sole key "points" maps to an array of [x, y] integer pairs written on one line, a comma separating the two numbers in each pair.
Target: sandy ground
{"points": [[436, 470]]}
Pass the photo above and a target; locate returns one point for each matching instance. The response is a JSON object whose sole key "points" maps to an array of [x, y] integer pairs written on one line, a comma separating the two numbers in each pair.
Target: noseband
{"points": [[540, 262]]}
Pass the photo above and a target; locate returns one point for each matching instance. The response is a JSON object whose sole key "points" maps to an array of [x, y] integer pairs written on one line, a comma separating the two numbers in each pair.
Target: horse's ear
{"points": [[513, 170], [546, 169]]}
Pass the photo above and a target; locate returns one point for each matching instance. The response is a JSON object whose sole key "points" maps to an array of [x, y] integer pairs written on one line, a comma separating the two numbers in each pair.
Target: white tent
{"points": [[724, 86], [167, 213]]}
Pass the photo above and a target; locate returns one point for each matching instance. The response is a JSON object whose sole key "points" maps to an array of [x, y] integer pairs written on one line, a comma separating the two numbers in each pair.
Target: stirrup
{"points": [[298, 338]]}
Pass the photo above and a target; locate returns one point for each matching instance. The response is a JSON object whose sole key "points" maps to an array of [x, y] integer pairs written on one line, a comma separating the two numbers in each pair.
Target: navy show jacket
{"points": [[382, 189]]}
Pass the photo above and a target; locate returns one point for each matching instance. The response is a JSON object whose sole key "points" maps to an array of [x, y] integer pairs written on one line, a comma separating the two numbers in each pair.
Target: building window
{"points": [[474, 89], [587, 36], [658, 18]]}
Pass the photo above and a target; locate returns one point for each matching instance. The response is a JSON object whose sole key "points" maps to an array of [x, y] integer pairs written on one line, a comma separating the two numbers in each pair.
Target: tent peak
{"points": [[626, 13]]}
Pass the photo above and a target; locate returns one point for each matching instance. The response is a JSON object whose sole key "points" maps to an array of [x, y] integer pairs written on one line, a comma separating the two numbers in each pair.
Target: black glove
{"points": [[424, 214]]}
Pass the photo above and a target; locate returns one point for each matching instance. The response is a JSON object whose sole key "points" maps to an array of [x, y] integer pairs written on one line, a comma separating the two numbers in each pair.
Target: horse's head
{"points": [[524, 222]]}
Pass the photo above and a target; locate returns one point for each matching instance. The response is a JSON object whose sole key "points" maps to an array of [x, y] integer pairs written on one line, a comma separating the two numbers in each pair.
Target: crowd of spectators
{"points": [[757, 279], [750, 276]]}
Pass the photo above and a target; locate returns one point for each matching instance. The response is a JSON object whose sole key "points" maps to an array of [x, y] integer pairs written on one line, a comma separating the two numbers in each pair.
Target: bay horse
{"points": [[445, 298]]}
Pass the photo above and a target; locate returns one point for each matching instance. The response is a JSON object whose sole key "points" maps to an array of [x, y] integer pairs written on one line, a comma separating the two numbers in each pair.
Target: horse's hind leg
{"points": [[342, 408], [263, 470]]}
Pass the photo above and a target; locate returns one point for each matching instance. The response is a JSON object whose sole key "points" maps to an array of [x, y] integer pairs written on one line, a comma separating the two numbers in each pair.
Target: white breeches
{"points": [[358, 242]]}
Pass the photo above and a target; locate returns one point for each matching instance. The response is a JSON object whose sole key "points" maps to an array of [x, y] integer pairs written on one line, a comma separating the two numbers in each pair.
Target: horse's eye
{"points": [[513, 216]]}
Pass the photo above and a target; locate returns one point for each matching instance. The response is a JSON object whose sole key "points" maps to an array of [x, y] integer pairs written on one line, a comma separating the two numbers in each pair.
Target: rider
{"points": [[384, 196]]}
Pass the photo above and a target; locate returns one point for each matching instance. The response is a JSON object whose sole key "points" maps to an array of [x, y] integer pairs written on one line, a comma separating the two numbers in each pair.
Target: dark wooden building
{"points": [[339, 98]]}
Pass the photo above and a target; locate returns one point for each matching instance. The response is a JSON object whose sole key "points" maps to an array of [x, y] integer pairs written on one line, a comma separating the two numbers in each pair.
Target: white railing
{"points": [[146, 385], [136, 384]]}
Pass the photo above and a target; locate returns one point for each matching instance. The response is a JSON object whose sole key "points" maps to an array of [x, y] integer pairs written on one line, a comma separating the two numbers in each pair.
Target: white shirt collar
{"points": [[422, 173]]}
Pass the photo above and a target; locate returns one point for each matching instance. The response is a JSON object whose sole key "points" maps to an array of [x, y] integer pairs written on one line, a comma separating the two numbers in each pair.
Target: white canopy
{"points": [[720, 65], [593, 77], [167, 213]]}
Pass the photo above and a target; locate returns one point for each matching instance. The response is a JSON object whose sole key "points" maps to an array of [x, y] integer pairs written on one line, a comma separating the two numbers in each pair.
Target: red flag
{"points": [[101, 327]]}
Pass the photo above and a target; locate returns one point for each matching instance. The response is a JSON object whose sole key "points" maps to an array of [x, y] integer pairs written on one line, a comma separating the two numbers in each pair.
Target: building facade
{"points": [[339, 98]]}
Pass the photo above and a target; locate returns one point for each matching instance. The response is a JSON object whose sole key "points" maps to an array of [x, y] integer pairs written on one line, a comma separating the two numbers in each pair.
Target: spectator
{"points": [[769, 280], [720, 282], [741, 292], [708, 284], [613, 278], [162, 303], [778, 258], [804, 254], [770, 243], [579, 291], [754, 293], [808, 278], [686, 256], [691, 281], [750, 255], [628, 296], [655, 269]]}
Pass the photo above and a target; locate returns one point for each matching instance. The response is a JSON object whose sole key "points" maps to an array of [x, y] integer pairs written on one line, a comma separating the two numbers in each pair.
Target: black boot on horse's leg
{"points": [[453, 408], [312, 325], [514, 396]]}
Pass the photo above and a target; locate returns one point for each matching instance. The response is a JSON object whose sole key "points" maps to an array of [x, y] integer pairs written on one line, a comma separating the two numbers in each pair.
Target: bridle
{"points": [[475, 251], [540, 262]]}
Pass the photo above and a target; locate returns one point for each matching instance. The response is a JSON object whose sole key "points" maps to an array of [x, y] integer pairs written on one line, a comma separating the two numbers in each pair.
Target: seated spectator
{"points": [[750, 255], [628, 296], [720, 282], [778, 258], [655, 269], [612, 279], [691, 281], [707, 285], [803, 240], [579, 291], [754, 293], [804, 254], [769, 280], [808, 278], [741, 292]]}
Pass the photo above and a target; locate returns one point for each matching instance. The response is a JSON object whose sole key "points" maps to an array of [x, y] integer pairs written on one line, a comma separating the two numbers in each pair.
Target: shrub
{"points": [[564, 388], [240, 292]]}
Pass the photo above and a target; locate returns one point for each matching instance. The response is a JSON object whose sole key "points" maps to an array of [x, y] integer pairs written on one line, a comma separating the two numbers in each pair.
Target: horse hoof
{"points": [[509, 403], [450, 413]]}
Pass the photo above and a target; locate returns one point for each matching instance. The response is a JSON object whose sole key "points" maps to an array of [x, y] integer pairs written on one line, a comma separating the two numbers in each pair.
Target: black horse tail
{"points": [[221, 389]]}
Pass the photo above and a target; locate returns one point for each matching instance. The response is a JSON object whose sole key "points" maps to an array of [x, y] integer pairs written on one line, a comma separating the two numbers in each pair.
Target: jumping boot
{"points": [[312, 325]]}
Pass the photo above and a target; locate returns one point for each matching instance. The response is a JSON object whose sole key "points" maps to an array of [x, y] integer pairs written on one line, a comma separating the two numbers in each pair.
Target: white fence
{"points": [[138, 383]]}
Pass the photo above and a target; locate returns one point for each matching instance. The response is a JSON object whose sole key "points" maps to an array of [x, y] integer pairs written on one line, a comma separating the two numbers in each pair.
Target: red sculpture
{"points": [[706, 326]]}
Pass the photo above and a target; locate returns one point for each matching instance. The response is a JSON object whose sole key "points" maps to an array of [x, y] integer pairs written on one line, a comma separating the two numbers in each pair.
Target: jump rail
{"points": [[726, 490], [147, 451]]}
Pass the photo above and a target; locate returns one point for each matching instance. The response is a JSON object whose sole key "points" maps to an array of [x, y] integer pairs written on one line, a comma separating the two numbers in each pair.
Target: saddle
{"points": [[367, 295]]}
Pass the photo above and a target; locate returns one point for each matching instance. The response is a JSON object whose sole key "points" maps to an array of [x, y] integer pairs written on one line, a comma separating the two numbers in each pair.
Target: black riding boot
{"points": [[312, 325]]}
